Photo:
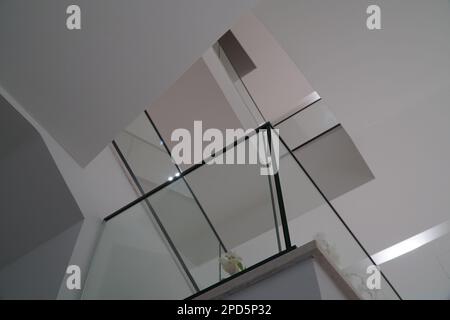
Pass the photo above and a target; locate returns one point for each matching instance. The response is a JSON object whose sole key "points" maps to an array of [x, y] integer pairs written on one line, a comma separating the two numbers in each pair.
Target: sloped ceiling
{"points": [[84, 86]]}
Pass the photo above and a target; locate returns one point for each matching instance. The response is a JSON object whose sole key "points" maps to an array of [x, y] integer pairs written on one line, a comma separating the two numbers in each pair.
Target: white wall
{"points": [[100, 188], [81, 255], [38, 274], [390, 89], [305, 280], [298, 282]]}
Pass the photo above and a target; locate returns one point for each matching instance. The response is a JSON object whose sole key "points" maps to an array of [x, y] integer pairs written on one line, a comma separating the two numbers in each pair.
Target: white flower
{"points": [[231, 263]]}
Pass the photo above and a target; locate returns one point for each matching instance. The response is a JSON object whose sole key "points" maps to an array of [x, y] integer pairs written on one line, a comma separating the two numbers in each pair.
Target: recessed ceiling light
{"points": [[412, 243]]}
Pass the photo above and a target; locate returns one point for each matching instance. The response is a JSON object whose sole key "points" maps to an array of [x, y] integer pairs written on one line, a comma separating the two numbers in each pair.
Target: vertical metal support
{"points": [[284, 222], [275, 219]]}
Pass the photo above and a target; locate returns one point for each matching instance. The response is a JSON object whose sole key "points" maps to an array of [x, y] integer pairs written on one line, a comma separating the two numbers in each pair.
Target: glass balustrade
{"points": [[190, 230], [312, 217], [215, 220], [232, 223]]}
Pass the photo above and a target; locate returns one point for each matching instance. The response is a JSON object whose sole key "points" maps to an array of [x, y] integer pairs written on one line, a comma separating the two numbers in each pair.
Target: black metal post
{"points": [[284, 221]]}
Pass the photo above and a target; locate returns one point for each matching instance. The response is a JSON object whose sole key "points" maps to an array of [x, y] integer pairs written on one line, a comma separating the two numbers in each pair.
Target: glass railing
{"points": [[312, 217], [233, 222], [216, 220]]}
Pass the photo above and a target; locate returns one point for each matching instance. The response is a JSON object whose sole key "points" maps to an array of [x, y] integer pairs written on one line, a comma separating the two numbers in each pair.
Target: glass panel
{"points": [[145, 154], [226, 227], [132, 262], [311, 218], [188, 227], [307, 124], [238, 201]]}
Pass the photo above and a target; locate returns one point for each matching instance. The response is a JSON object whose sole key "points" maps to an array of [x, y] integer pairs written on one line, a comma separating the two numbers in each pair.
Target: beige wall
{"points": [[195, 96]]}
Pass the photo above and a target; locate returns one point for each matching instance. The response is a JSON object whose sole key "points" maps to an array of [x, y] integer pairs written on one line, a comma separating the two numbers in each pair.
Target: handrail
{"points": [[306, 103], [185, 172], [320, 135]]}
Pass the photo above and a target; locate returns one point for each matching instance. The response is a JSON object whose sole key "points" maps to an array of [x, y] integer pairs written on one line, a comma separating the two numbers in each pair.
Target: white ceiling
{"points": [[85, 86], [390, 90]]}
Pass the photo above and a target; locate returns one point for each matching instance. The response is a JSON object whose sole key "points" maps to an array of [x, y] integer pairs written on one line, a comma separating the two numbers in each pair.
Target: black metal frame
{"points": [[276, 177], [278, 188], [275, 219], [181, 176], [296, 112], [145, 195], [317, 137], [284, 222], [265, 126]]}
